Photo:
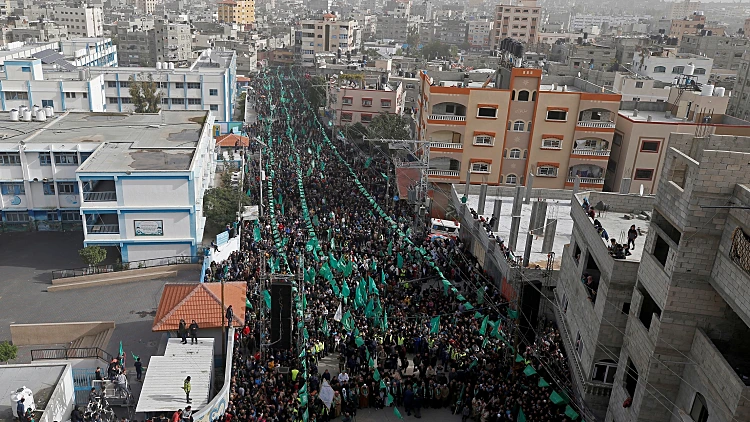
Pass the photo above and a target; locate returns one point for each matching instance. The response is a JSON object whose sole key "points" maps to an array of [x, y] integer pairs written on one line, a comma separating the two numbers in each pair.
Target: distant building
{"points": [[241, 12], [678, 10], [326, 35], [519, 21], [81, 21], [739, 105], [666, 65], [451, 31], [353, 103], [147, 7], [479, 34], [726, 51], [172, 41], [391, 27]]}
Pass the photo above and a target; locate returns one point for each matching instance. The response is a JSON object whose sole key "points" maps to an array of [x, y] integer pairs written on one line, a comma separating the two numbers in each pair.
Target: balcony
{"points": [[447, 117], [597, 124], [106, 196], [447, 145], [588, 180], [103, 229], [590, 152], [442, 173]]}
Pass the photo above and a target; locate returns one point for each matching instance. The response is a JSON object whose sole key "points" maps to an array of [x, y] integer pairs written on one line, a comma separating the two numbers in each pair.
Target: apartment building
{"points": [[451, 31], [241, 12], [327, 35], [553, 131], [688, 25], [519, 21], [667, 64], [172, 41], [725, 51], [146, 7], [356, 103], [396, 28], [479, 34], [639, 88], [85, 52], [679, 10], [81, 21], [44, 31], [739, 105]]}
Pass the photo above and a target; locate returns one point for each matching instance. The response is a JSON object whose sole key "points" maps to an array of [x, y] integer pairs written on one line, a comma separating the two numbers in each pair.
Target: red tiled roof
{"points": [[200, 302], [243, 79], [230, 140]]}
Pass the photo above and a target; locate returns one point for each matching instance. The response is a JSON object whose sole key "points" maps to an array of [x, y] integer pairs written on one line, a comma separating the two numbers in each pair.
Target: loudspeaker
{"points": [[281, 315]]}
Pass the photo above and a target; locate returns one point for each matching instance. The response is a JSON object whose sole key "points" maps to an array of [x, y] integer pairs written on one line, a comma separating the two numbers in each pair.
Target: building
{"points": [[639, 88], [666, 334], [519, 21], [554, 130], [688, 25], [356, 103], [580, 21], [172, 41], [725, 51], [44, 31], [395, 28], [451, 31], [51, 383], [89, 52], [81, 21], [146, 7], [746, 28], [739, 105], [479, 34], [679, 10], [137, 189], [328, 35], [241, 12], [665, 65]]}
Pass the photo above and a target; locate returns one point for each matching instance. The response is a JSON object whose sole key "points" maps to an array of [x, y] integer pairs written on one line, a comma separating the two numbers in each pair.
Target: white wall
{"points": [[62, 399], [176, 224], [139, 252], [137, 191]]}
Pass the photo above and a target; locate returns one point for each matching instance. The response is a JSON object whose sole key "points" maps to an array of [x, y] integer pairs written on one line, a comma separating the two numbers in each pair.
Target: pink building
{"points": [[354, 104]]}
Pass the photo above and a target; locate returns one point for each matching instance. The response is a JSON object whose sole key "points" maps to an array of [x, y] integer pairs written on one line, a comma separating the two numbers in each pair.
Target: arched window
{"points": [[518, 125], [511, 179], [699, 411], [677, 70], [533, 96], [512, 95], [515, 153], [523, 95], [660, 69], [528, 127], [699, 71]]}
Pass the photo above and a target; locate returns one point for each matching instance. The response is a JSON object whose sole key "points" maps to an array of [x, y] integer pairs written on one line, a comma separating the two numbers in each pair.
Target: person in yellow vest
{"points": [[295, 372], [186, 389]]}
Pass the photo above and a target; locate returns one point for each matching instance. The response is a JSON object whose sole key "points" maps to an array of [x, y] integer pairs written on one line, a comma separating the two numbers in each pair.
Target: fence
{"points": [[74, 353], [82, 383], [132, 265], [39, 225]]}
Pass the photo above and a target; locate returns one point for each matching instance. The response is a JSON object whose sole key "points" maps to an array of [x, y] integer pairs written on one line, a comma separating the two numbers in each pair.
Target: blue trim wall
{"points": [[119, 99], [62, 96], [2, 96], [185, 86]]}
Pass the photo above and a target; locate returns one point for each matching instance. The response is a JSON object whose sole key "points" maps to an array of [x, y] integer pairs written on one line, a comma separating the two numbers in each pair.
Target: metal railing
{"points": [[103, 228], [106, 196], [75, 353], [442, 173], [597, 124], [447, 145], [132, 265], [447, 117], [598, 153], [590, 180]]}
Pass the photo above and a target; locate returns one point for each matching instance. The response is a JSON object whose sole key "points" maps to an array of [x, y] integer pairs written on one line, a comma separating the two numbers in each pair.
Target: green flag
{"points": [[324, 328], [359, 341], [519, 358], [529, 371], [368, 162], [397, 413], [121, 352], [135, 357], [248, 304], [389, 400], [542, 383], [569, 412], [256, 234], [382, 276], [376, 375], [483, 328], [345, 292], [267, 297], [390, 248], [556, 398], [373, 287], [306, 415], [521, 417], [399, 260], [480, 295], [435, 325], [512, 314]]}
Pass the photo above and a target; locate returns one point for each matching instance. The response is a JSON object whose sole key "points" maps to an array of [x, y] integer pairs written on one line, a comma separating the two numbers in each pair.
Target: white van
{"points": [[447, 228]]}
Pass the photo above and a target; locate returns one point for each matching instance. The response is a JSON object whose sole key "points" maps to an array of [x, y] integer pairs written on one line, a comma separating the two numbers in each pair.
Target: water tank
{"points": [[49, 111], [82, 74], [22, 109], [708, 90], [26, 115], [41, 116], [158, 65], [719, 91], [14, 115], [34, 109], [171, 66], [165, 65], [22, 393], [689, 70]]}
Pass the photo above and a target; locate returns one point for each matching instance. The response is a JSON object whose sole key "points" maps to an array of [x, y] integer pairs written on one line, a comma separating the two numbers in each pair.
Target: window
{"points": [[194, 85], [16, 216], [523, 95], [213, 92], [639, 84], [631, 378], [70, 216], [488, 112], [366, 118], [70, 95], [518, 126], [483, 140], [179, 85], [45, 159], [12, 189], [111, 84], [699, 411], [650, 146], [52, 215], [194, 101], [48, 103], [515, 153], [546, 171], [346, 117], [126, 100], [49, 188], [178, 101], [67, 188], [367, 102], [385, 103], [16, 95], [511, 179], [678, 70], [124, 84], [346, 101], [480, 168], [112, 100], [552, 143], [450, 109], [626, 308], [560, 115], [604, 371], [579, 344], [85, 156], [644, 174], [699, 71], [214, 107], [66, 158], [10, 159], [660, 69]]}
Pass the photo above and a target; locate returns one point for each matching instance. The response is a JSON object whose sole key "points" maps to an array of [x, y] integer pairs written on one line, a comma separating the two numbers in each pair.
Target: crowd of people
{"points": [[391, 353]]}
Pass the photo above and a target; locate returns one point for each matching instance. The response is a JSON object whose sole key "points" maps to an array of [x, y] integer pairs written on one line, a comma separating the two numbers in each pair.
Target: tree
{"points": [[412, 41], [316, 92], [221, 204], [356, 131], [241, 101], [389, 126], [436, 49], [92, 255], [8, 351], [145, 95]]}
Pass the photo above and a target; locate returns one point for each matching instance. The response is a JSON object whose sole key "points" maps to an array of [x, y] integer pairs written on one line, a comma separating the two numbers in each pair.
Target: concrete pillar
{"points": [[529, 186], [515, 224], [539, 218], [527, 249], [549, 235], [496, 213], [482, 198], [466, 186], [533, 216], [625, 185], [517, 201], [576, 184]]}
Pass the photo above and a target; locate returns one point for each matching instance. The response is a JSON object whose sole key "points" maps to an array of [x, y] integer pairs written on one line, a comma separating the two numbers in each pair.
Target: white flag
{"points": [[326, 394], [337, 317]]}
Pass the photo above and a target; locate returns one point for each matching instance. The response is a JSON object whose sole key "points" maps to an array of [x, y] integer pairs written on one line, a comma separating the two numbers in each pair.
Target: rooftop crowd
{"points": [[391, 352]]}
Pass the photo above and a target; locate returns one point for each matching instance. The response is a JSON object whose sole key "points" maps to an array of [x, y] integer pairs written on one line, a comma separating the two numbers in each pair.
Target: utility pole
{"points": [[263, 282]]}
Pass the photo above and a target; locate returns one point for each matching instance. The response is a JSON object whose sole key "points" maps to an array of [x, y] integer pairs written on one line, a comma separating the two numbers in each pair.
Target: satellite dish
{"points": [[641, 190]]}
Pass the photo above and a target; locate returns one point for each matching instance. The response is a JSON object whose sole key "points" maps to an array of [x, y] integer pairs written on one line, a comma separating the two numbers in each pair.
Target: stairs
{"points": [[99, 340], [122, 277]]}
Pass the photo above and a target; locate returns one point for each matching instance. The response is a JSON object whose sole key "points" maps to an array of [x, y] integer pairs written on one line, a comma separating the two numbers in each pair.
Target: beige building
{"points": [[357, 104], [519, 21], [327, 35], [500, 135], [241, 12], [146, 6]]}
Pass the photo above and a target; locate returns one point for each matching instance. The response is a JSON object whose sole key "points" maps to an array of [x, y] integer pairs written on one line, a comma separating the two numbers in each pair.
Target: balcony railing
{"points": [[598, 153], [589, 180], [447, 117], [103, 229], [442, 173], [100, 196], [597, 124], [447, 145]]}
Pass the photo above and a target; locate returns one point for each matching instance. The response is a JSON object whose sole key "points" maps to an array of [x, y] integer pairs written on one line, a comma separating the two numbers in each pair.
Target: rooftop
{"points": [[40, 379], [200, 302], [661, 117]]}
